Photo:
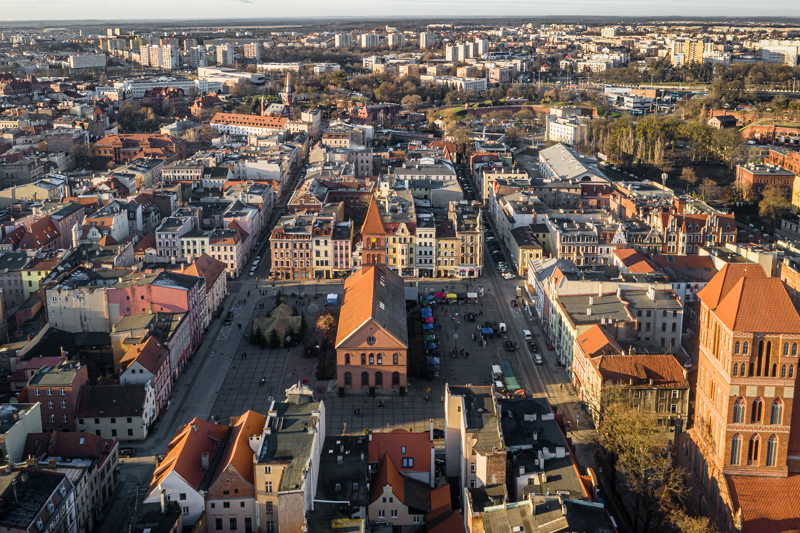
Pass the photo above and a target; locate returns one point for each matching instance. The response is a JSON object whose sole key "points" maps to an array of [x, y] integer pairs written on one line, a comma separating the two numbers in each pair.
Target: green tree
{"points": [[273, 340]]}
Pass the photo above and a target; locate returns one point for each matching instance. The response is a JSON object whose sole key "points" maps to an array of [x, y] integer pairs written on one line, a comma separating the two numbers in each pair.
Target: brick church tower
{"points": [[745, 434]]}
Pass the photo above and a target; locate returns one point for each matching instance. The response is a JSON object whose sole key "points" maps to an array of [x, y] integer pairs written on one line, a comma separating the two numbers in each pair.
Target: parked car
{"points": [[513, 303], [510, 346], [127, 452], [537, 359]]}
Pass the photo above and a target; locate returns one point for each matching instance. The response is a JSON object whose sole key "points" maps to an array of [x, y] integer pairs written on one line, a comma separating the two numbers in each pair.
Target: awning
{"points": [[427, 326], [426, 313], [428, 320], [472, 295], [430, 345], [430, 297], [485, 331], [440, 295], [430, 338], [451, 296], [462, 295]]}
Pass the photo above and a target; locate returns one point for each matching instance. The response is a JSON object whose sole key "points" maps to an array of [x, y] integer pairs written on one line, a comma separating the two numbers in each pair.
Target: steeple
{"points": [[287, 95], [373, 237]]}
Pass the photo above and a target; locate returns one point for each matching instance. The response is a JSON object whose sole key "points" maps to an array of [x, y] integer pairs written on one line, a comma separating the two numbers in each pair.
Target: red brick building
{"points": [[785, 159], [57, 388], [759, 177], [167, 98], [124, 148], [741, 446]]}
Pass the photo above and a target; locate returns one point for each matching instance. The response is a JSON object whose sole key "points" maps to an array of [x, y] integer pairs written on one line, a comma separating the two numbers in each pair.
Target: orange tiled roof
{"points": [[151, 354], [184, 452], [387, 475], [206, 267], [635, 260], [417, 445], [39, 234], [759, 305], [238, 453], [148, 241], [595, 339], [768, 504], [373, 225], [663, 369], [253, 121], [721, 284], [440, 501]]}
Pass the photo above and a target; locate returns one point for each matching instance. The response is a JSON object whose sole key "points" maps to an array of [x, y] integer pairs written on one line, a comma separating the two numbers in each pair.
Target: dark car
{"points": [[532, 346], [513, 303], [510, 346], [127, 452]]}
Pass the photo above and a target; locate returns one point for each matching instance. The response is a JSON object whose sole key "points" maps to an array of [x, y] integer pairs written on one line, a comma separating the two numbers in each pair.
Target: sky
{"points": [[120, 10]]}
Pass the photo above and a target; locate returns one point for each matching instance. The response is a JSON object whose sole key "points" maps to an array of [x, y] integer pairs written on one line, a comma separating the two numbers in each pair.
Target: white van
{"points": [[526, 333], [501, 327]]}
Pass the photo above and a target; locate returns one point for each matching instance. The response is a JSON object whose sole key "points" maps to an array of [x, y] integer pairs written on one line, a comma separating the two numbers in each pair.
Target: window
{"points": [[394, 513], [113, 432], [347, 358], [267, 469], [129, 420], [395, 359], [396, 377], [736, 347], [365, 379], [791, 370], [741, 370], [776, 416], [185, 510], [772, 450], [355, 486], [417, 519], [785, 349], [270, 526], [381, 513], [755, 414], [348, 378], [745, 347], [248, 525], [752, 450], [472, 467], [113, 420], [735, 369], [268, 507], [268, 487], [64, 418], [36, 392], [783, 371], [218, 524], [49, 404], [738, 411], [363, 359], [182, 496], [736, 449], [403, 450], [63, 404], [130, 433], [62, 391], [233, 524], [794, 349], [408, 462], [226, 505], [371, 340], [49, 392]]}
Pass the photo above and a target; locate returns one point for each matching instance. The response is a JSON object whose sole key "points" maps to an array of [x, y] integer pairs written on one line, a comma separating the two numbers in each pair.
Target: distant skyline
{"points": [[59, 11]]}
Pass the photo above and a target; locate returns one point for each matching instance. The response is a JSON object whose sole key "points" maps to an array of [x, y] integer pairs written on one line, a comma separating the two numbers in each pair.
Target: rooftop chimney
{"points": [[204, 460], [164, 501]]}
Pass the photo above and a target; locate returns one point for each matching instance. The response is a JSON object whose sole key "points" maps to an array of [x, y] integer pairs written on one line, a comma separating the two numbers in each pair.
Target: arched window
{"points": [[703, 505], [396, 359], [774, 370], [772, 450], [791, 370], [347, 358], [365, 379], [372, 358], [783, 371], [755, 414], [395, 378], [380, 358], [776, 415], [379, 379], [745, 347], [742, 372], [738, 411], [752, 450], [752, 370], [794, 349], [363, 359], [736, 347], [736, 449], [785, 349], [735, 370], [705, 473], [348, 378]]}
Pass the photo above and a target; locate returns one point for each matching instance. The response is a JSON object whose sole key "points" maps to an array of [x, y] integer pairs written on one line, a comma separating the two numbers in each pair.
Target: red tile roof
{"points": [[768, 505], [387, 475], [663, 369], [634, 260], [238, 454], [719, 286], [206, 267], [184, 452], [746, 304], [69, 444], [417, 445], [373, 225], [595, 339], [151, 354]]}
